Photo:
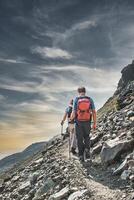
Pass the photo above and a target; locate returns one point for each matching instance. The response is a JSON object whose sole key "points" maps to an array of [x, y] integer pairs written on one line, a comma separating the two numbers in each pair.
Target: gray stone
{"points": [[106, 137], [96, 149], [95, 139], [23, 186], [14, 194], [130, 163], [16, 178], [40, 160], [100, 128], [48, 185], [2, 187], [113, 136], [60, 195], [77, 194], [121, 168], [131, 177], [33, 177], [130, 113], [122, 135], [124, 196], [125, 174], [131, 118], [26, 197]]}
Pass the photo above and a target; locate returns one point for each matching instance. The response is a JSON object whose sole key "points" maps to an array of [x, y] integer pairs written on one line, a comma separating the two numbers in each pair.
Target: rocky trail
{"points": [[99, 181], [52, 175]]}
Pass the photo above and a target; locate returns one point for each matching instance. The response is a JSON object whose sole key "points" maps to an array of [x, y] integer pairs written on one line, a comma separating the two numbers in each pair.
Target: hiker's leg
{"points": [[79, 135], [87, 128], [86, 133], [74, 139], [71, 134]]}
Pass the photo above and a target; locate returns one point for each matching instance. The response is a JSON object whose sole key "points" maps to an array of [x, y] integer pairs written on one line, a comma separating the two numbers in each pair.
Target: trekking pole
{"points": [[62, 129], [69, 147]]}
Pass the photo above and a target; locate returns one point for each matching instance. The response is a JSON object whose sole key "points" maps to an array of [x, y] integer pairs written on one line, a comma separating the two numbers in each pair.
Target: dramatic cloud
{"points": [[52, 52], [21, 86], [11, 60], [83, 25]]}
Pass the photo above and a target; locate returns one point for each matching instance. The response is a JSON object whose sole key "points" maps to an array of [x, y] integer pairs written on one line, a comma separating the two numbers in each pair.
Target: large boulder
{"points": [[112, 149]]}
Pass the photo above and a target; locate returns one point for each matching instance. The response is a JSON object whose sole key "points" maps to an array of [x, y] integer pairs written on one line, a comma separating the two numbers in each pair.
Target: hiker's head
{"points": [[71, 102], [81, 90]]}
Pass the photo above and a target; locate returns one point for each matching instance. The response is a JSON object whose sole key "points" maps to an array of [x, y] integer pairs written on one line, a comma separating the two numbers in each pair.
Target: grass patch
{"points": [[110, 105]]}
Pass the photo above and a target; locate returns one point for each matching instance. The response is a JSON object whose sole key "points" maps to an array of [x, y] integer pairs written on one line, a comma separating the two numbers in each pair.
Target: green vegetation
{"points": [[110, 105]]}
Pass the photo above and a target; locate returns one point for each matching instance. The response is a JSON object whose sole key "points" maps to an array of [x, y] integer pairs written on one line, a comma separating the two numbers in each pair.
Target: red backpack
{"points": [[83, 109]]}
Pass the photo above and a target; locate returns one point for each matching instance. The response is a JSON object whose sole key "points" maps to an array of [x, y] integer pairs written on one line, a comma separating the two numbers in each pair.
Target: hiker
{"points": [[71, 127], [83, 109]]}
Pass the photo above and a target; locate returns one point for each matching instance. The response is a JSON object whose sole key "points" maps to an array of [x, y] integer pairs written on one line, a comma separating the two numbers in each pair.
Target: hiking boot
{"points": [[87, 154], [73, 151], [81, 158]]}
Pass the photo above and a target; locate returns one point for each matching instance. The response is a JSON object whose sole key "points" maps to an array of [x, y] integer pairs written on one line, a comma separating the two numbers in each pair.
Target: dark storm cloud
{"points": [[94, 39], [87, 30]]}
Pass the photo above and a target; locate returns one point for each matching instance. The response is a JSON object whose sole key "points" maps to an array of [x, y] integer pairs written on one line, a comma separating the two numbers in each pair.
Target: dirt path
{"points": [[101, 184]]}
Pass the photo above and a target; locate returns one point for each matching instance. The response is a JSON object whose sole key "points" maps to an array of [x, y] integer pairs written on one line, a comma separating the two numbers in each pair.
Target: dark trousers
{"points": [[82, 134]]}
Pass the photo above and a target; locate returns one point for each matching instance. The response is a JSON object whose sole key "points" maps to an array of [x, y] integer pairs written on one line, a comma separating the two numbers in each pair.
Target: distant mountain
{"points": [[9, 161]]}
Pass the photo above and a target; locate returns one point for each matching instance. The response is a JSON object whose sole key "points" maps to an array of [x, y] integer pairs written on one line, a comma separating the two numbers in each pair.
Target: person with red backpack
{"points": [[71, 127], [83, 110]]}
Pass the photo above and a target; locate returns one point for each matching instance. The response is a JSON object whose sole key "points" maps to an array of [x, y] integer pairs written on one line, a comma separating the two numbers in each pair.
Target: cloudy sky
{"points": [[47, 49]]}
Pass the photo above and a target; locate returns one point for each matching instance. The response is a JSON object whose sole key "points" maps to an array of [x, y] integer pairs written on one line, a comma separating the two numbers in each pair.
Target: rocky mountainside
{"points": [[52, 175], [123, 96], [116, 128]]}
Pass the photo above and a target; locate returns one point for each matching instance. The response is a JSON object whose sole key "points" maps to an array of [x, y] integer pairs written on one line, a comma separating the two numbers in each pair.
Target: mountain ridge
{"points": [[8, 161]]}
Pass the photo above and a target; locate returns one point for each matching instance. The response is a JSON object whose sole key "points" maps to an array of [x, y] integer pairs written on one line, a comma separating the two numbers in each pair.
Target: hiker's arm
{"points": [[94, 119], [72, 115], [93, 113], [64, 118]]}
